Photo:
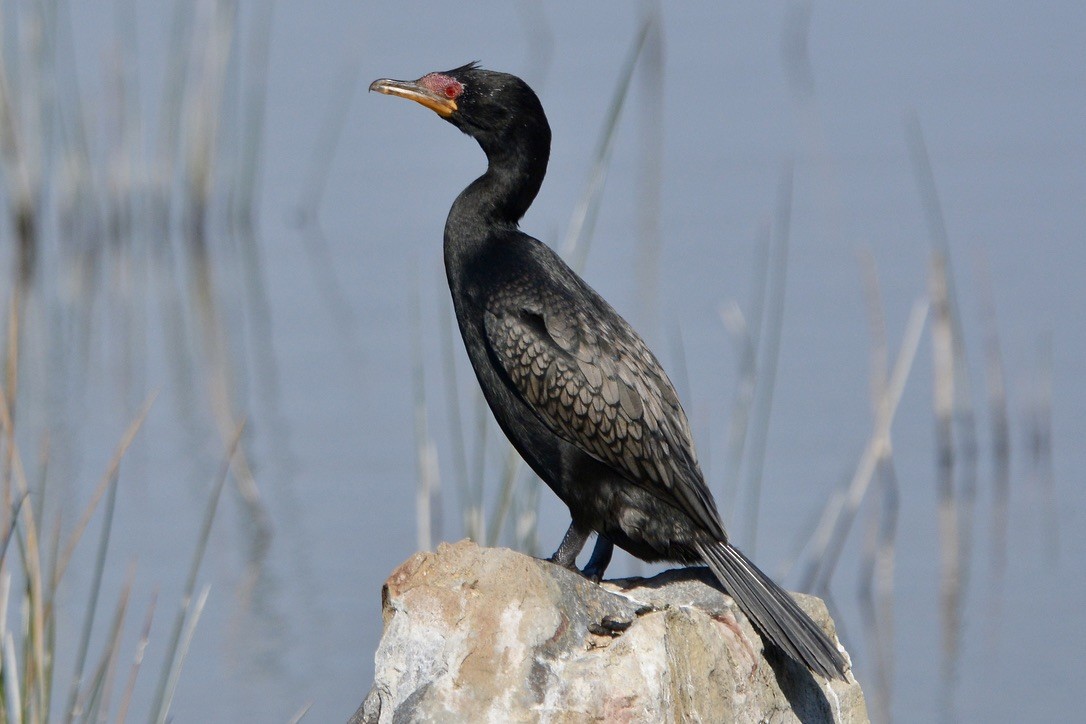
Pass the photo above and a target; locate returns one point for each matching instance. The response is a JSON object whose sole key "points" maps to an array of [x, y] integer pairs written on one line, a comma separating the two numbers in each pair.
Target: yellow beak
{"points": [[412, 91]]}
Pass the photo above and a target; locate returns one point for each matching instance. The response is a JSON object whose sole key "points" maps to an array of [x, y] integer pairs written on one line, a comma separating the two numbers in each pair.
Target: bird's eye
{"points": [[454, 89]]}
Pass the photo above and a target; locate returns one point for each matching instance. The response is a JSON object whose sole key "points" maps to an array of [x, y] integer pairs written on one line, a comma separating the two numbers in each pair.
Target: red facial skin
{"points": [[442, 85]]}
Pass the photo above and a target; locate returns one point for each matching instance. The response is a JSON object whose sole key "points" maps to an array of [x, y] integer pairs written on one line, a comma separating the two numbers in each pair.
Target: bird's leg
{"points": [[601, 557], [572, 543]]}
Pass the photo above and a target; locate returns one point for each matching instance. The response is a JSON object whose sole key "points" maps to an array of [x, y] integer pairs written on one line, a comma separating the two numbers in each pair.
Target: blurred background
{"points": [[233, 398]]}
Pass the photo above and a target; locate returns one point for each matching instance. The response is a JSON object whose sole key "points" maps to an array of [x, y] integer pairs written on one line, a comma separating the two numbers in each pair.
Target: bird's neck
{"points": [[501, 196]]}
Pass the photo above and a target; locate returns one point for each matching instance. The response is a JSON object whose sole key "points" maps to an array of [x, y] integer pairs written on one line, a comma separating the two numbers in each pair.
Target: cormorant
{"points": [[572, 385]]}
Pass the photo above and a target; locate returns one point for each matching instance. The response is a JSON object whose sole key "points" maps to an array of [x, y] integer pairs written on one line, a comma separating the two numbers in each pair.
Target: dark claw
{"points": [[609, 626], [614, 624], [593, 575], [569, 565]]}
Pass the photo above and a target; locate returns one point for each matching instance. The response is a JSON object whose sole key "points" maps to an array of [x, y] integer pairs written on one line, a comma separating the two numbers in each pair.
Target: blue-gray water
{"points": [[1000, 92]]}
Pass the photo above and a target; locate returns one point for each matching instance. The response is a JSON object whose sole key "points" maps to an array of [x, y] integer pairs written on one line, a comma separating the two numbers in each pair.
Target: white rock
{"points": [[489, 635]]}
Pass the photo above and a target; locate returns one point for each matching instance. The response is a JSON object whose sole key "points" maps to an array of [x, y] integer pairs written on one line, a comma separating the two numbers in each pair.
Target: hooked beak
{"points": [[412, 91]]}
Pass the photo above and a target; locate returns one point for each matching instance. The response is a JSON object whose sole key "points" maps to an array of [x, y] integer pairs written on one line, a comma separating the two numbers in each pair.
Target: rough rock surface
{"points": [[489, 635]]}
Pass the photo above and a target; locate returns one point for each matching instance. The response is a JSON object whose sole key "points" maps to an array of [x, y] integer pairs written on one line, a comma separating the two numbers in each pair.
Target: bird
{"points": [[576, 390]]}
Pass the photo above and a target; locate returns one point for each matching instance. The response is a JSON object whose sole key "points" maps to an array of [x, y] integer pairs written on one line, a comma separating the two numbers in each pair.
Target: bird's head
{"points": [[482, 103]]}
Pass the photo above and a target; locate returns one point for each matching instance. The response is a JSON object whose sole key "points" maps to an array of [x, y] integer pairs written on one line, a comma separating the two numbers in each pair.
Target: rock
{"points": [[490, 635]]}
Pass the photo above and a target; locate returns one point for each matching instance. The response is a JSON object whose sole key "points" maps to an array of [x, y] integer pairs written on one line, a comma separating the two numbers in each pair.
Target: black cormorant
{"points": [[572, 385]]}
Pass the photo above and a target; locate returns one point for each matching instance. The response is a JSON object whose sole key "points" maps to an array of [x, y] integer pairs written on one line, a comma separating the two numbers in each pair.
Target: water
{"points": [[321, 353]]}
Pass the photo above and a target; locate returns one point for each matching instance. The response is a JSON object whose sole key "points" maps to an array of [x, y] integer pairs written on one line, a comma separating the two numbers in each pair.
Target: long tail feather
{"points": [[773, 611]]}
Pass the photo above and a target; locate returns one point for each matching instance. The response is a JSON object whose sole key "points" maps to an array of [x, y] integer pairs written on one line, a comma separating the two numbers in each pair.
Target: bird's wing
{"points": [[594, 383]]}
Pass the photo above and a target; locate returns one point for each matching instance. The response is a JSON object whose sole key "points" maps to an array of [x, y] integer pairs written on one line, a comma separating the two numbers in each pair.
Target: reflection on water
{"points": [[131, 273]]}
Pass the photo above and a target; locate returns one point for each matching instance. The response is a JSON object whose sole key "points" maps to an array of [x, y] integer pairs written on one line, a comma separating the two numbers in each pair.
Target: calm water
{"points": [[321, 352]]}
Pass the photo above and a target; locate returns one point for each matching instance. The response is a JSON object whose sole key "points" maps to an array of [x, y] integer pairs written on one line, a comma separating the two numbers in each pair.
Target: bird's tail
{"points": [[773, 611]]}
